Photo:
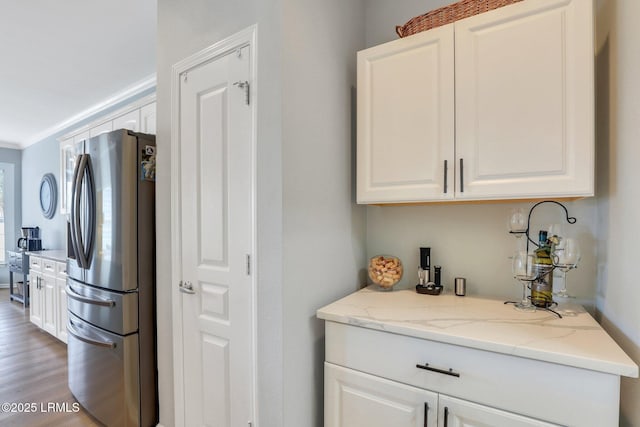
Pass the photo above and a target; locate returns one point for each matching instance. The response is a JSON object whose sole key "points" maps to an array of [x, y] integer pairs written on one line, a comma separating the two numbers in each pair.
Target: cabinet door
{"points": [[460, 413], [48, 292], [353, 398], [61, 309], [99, 129], [130, 120], [35, 293], [148, 118], [67, 164], [525, 101], [406, 119]]}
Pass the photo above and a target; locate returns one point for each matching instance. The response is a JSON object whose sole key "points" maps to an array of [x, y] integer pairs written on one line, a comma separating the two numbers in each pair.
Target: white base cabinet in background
{"points": [[61, 301], [36, 298], [48, 308]]}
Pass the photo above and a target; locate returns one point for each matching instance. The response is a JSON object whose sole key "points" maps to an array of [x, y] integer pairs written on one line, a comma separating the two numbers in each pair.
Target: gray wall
{"points": [[11, 162], [618, 106], [324, 230], [38, 160]]}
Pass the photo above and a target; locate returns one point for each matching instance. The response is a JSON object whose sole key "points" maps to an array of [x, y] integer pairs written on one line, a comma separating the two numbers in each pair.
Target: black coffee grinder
{"points": [[30, 240]]}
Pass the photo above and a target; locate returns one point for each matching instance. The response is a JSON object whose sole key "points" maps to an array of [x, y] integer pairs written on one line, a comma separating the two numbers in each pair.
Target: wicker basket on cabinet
{"points": [[448, 14]]}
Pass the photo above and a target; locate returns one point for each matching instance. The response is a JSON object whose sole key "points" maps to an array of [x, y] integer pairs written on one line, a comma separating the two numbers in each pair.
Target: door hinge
{"points": [[248, 265], [247, 92]]}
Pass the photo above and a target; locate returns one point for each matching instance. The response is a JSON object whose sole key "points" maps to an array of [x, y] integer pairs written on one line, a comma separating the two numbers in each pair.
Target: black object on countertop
{"points": [[425, 258], [429, 289]]}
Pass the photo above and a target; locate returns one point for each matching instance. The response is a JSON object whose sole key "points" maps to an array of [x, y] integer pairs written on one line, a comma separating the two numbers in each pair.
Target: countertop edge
{"points": [[602, 366], [58, 255]]}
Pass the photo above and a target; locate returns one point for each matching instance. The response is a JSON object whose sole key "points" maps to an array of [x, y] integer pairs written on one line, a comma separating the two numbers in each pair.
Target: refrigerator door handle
{"points": [[74, 213], [75, 333], [76, 296], [91, 195], [78, 184]]}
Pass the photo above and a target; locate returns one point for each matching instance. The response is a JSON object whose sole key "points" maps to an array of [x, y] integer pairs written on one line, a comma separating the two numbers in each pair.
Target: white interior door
{"points": [[216, 202]]}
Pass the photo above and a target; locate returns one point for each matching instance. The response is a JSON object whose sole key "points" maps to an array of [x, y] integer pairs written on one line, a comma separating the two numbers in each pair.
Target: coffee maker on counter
{"points": [[30, 240]]}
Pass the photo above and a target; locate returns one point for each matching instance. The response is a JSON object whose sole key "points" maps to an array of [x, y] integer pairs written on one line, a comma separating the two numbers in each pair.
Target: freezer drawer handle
{"points": [[73, 331], [103, 302]]}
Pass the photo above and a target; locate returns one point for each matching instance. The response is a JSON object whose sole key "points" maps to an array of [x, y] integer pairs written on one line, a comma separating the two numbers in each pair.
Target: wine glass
{"points": [[565, 258], [524, 271], [556, 230], [517, 223]]}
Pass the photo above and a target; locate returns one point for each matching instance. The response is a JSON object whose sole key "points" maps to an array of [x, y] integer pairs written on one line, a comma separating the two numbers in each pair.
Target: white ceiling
{"points": [[61, 58]]}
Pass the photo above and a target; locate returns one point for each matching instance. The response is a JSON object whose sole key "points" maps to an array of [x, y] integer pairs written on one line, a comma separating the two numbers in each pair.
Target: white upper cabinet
{"points": [[517, 123], [525, 101], [101, 128], [140, 116], [148, 118], [406, 119], [130, 120]]}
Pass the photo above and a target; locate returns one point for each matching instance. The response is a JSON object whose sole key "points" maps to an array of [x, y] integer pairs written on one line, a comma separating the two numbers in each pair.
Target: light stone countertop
{"points": [[59, 255], [485, 324]]}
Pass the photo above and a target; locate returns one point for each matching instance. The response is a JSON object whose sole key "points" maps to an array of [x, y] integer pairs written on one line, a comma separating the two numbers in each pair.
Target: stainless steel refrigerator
{"points": [[111, 283]]}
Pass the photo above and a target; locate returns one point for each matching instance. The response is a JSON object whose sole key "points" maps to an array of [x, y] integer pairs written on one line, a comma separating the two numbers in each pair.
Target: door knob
{"points": [[186, 287]]}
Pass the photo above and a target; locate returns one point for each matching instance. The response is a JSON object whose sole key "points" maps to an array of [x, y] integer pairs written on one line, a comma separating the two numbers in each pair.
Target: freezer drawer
{"points": [[104, 373], [116, 312]]}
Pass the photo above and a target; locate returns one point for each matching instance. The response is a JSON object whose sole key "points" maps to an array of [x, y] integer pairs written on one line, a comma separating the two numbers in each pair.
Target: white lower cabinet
{"points": [[353, 398], [48, 288], [377, 378], [36, 298], [48, 308], [61, 302], [460, 413]]}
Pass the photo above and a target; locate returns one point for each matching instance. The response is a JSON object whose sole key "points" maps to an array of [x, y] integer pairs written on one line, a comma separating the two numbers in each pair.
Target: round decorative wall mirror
{"points": [[48, 195]]}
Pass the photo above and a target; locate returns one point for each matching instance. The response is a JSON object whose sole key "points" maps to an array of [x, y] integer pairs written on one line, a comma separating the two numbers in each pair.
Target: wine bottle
{"points": [[542, 286]]}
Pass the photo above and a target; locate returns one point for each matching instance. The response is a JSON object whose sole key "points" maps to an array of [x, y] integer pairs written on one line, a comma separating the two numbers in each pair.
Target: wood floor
{"points": [[33, 373]]}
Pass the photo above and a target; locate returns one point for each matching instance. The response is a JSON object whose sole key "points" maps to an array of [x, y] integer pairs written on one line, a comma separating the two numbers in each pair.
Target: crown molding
{"points": [[10, 145], [133, 90]]}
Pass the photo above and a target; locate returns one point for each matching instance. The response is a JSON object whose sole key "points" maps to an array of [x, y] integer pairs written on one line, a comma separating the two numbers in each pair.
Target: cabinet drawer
{"points": [[61, 269], [48, 266], [525, 386], [35, 263]]}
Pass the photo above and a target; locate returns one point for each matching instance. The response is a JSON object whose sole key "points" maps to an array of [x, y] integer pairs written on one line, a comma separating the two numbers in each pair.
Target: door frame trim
{"points": [[246, 37]]}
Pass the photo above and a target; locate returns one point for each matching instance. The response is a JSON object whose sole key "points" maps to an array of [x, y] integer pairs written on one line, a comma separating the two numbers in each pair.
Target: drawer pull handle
{"points": [[446, 416], [440, 371]]}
